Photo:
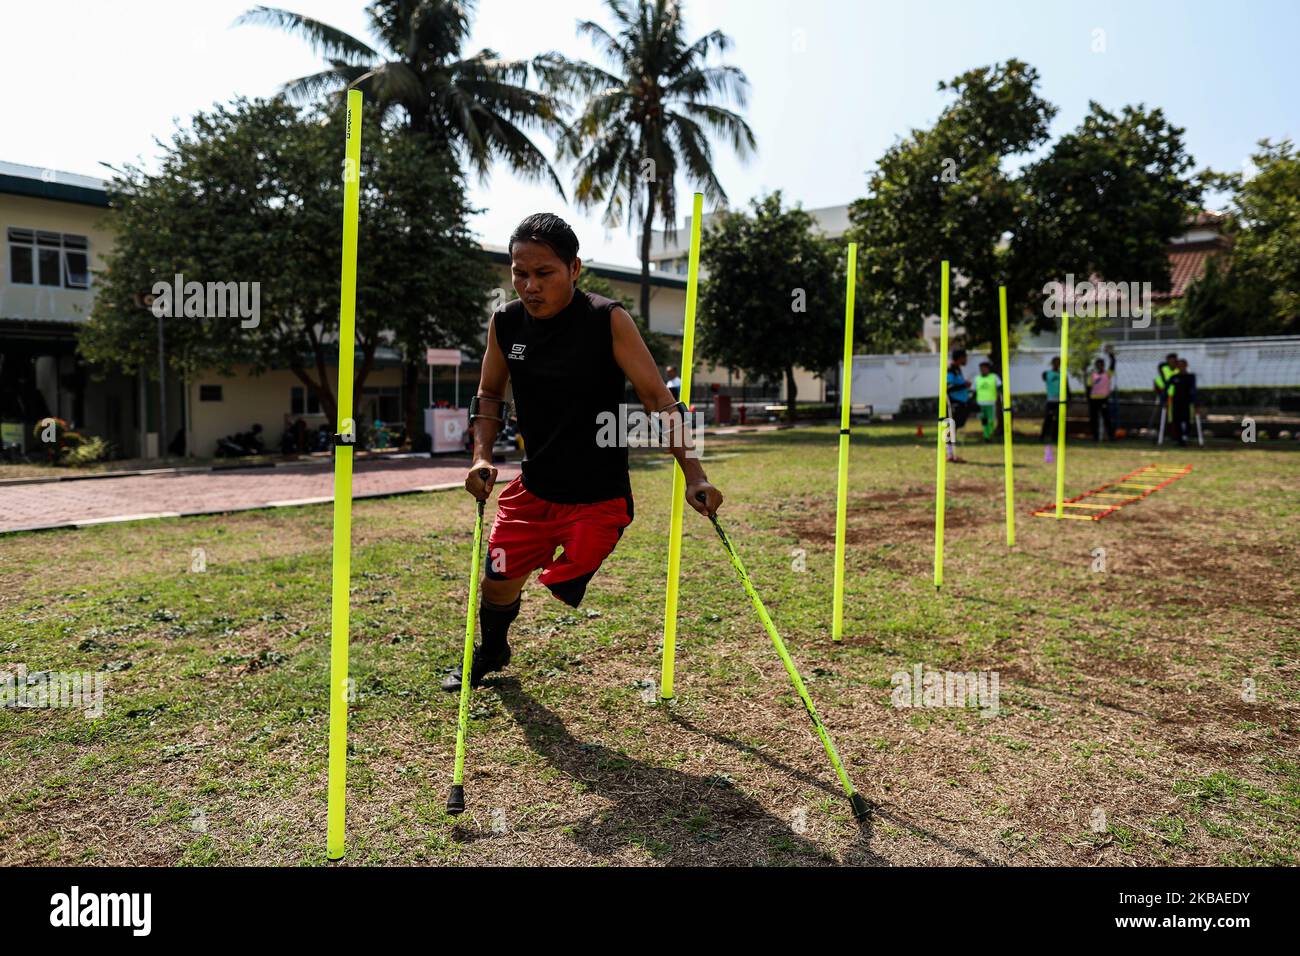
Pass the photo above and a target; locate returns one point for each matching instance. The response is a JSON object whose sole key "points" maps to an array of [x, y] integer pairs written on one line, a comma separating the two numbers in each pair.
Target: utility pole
{"points": [[162, 394]]}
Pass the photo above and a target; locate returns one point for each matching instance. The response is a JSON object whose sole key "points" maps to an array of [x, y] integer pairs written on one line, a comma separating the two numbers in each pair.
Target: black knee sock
{"points": [[493, 622]]}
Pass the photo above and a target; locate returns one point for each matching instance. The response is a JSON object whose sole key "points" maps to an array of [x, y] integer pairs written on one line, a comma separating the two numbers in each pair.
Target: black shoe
{"points": [[482, 666]]}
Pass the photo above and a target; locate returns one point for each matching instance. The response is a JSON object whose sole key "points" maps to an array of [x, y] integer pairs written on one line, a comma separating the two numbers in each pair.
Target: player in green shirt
{"points": [[987, 384]]}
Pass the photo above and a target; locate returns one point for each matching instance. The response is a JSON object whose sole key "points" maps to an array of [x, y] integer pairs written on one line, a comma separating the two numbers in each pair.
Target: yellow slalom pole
{"points": [[338, 746], [942, 467], [456, 799], [1063, 407], [861, 809], [841, 504], [1006, 419], [679, 479]]}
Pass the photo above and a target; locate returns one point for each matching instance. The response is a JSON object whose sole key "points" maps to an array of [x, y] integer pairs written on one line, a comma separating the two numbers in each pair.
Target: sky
{"points": [[833, 82]]}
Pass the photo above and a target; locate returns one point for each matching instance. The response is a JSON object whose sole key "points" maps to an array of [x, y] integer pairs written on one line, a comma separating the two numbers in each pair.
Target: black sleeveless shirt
{"points": [[563, 376]]}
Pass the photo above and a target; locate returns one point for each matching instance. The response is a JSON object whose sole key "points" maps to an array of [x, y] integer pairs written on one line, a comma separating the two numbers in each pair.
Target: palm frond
{"points": [[726, 82], [324, 39], [725, 123]]}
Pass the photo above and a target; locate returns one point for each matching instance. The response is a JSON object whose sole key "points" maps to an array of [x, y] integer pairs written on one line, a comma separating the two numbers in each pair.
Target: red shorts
{"points": [[528, 529]]}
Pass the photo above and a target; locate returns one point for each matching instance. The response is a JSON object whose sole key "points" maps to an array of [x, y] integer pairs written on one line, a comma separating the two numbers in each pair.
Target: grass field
{"points": [[1126, 730]]}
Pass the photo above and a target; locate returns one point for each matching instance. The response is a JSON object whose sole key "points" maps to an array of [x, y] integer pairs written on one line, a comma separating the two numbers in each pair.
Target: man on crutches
{"points": [[566, 354]]}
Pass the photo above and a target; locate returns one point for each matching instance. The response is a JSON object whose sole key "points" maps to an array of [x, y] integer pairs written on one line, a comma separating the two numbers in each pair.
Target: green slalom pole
{"points": [[861, 811], [1063, 405], [679, 479], [456, 799], [342, 563], [841, 504], [942, 467], [1006, 419]]}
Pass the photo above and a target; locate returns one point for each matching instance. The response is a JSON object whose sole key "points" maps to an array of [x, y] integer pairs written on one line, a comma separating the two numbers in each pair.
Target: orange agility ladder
{"points": [[1109, 498]]}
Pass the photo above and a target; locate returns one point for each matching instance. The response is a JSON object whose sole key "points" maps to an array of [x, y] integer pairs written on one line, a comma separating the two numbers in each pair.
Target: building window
{"points": [[53, 259], [209, 393], [21, 263], [76, 262], [300, 399]]}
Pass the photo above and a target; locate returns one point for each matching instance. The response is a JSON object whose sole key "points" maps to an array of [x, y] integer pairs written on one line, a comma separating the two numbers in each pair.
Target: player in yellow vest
{"points": [[987, 385]]}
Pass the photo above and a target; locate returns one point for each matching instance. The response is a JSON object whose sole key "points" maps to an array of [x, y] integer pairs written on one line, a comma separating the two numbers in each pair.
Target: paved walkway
{"points": [[78, 502], [62, 504]]}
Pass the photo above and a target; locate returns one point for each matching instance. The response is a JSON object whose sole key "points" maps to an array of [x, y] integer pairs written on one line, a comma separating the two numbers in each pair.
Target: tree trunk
{"points": [[648, 224], [358, 384], [791, 394], [411, 383], [324, 394]]}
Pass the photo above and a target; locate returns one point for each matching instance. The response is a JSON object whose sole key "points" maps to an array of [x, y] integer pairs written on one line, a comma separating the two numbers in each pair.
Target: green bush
{"points": [[86, 451]]}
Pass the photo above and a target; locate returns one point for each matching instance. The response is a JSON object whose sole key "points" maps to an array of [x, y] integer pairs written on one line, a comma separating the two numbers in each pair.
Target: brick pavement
{"points": [[59, 504]]}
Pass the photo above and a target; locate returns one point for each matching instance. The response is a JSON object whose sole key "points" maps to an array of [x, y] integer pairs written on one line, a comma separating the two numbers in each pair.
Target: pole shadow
{"points": [[882, 811]]}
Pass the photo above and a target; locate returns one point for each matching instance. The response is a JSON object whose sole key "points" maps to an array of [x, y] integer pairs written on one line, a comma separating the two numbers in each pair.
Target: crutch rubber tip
{"points": [[861, 809], [456, 800]]}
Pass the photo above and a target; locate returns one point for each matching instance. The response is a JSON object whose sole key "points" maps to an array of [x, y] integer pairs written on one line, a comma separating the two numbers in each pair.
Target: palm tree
{"points": [[473, 108], [654, 106], [476, 106]]}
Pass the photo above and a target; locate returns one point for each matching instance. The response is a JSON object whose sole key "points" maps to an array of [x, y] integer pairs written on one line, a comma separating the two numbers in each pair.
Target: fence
{"points": [[887, 381]]}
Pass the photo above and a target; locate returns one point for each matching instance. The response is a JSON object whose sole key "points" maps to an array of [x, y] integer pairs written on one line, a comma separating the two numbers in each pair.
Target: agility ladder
{"points": [[1135, 486]]}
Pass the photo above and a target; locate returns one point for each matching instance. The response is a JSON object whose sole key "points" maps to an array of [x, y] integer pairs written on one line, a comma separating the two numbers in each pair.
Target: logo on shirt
{"points": [[517, 351]]}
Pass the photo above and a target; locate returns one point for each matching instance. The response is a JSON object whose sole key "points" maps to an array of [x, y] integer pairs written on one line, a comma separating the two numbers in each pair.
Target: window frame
{"points": [[43, 241]]}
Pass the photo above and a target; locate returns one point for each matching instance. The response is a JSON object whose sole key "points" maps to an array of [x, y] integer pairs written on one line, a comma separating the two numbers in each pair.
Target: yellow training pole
{"points": [[1060, 415], [1006, 419], [338, 751], [841, 504], [942, 467], [679, 479]]}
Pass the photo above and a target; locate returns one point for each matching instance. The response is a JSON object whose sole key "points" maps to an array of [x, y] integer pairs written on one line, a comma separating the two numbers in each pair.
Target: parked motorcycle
{"points": [[241, 444]]}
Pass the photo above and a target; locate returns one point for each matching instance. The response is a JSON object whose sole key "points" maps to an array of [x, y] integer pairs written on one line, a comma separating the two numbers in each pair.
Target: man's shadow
{"points": [[682, 818]]}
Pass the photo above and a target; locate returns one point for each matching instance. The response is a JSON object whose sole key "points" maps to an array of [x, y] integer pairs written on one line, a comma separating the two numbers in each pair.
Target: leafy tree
{"points": [[647, 118], [253, 193], [1255, 288], [944, 193], [478, 106], [771, 301], [1104, 199]]}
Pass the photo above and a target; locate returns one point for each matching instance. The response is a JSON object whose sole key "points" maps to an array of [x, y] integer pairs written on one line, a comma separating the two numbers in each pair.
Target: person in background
{"points": [[1052, 390], [1099, 386], [987, 385], [1114, 392], [674, 381], [959, 402], [1163, 385], [1182, 402]]}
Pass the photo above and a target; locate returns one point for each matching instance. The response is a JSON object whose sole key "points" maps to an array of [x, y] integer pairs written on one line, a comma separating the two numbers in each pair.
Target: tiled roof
{"points": [[1186, 265]]}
